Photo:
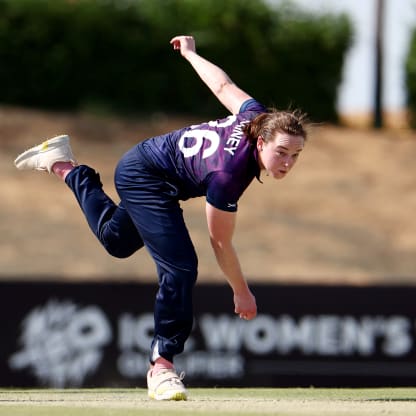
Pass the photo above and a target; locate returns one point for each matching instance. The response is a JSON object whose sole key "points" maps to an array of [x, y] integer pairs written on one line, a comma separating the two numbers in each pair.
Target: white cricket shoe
{"points": [[43, 156], [166, 385]]}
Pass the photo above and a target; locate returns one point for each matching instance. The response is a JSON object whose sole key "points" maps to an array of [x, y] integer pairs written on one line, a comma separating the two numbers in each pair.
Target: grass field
{"points": [[208, 402]]}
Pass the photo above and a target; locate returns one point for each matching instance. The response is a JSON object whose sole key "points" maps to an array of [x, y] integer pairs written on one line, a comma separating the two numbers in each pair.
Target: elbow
{"points": [[221, 88]]}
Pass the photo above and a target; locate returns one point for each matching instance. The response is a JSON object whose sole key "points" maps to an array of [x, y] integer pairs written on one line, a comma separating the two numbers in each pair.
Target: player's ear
{"points": [[260, 143]]}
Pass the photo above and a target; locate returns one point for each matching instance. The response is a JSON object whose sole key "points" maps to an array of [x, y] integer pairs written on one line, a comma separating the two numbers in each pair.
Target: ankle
{"points": [[161, 364], [61, 169]]}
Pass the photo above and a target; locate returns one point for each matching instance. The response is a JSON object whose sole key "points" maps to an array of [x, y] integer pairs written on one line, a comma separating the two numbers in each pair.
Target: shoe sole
{"points": [[178, 396]]}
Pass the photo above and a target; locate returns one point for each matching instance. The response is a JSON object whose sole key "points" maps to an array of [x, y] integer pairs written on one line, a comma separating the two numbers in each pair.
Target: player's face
{"points": [[278, 156]]}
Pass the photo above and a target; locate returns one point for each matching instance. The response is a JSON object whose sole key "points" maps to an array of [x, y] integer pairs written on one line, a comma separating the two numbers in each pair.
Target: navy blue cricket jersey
{"points": [[213, 159]]}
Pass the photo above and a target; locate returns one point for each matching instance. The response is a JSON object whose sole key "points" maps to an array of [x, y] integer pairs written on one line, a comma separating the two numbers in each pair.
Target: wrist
{"points": [[189, 54], [240, 289]]}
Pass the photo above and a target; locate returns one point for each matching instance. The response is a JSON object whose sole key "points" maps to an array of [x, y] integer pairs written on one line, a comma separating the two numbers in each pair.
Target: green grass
{"points": [[210, 402]]}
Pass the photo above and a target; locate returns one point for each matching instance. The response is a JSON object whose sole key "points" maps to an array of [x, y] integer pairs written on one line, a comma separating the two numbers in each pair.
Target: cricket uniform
{"points": [[212, 159]]}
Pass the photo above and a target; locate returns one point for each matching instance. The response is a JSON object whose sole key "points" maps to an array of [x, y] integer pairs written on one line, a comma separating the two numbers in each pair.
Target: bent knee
{"points": [[121, 251], [186, 277], [120, 254]]}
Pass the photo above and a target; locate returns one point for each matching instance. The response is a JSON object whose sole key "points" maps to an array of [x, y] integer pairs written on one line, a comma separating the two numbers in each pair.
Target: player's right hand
{"points": [[183, 43], [245, 305]]}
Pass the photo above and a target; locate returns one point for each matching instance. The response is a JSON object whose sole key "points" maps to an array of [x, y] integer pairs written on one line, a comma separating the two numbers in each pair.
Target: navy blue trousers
{"points": [[148, 215]]}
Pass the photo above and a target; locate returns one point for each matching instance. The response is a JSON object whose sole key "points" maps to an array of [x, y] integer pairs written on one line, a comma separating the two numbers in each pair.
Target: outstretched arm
{"points": [[221, 226], [231, 96]]}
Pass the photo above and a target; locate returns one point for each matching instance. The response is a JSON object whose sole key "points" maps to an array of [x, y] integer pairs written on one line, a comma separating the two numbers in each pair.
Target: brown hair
{"points": [[275, 121]]}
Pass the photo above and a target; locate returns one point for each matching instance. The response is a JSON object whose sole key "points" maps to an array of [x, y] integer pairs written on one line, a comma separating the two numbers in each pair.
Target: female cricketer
{"points": [[217, 159]]}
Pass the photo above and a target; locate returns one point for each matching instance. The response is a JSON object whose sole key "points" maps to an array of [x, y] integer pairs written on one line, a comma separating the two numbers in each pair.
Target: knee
{"points": [[120, 249], [119, 253], [189, 272], [184, 279], [181, 276], [189, 278], [120, 243]]}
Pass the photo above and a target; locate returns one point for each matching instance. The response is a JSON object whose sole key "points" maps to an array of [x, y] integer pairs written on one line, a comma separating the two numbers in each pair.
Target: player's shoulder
{"points": [[252, 104]]}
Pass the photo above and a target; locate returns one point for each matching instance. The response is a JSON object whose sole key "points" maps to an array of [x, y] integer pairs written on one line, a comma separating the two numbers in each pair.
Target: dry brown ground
{"points": [[344, 215]]}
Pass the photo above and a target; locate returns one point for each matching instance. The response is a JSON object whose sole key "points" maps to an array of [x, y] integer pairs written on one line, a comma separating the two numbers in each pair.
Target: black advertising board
{"points": [[98, 335]]}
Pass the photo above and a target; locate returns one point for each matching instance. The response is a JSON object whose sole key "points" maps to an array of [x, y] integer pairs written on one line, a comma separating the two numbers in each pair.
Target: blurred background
{"points": [[103, 72], [388, 26]]}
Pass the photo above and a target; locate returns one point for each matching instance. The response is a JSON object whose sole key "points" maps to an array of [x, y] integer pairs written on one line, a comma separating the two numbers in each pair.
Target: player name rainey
{"points": [[235, 138]]}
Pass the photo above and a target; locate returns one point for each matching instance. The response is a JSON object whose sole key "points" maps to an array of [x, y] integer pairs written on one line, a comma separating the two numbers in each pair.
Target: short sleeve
{"points": [[252, 105], [223, 191]]}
